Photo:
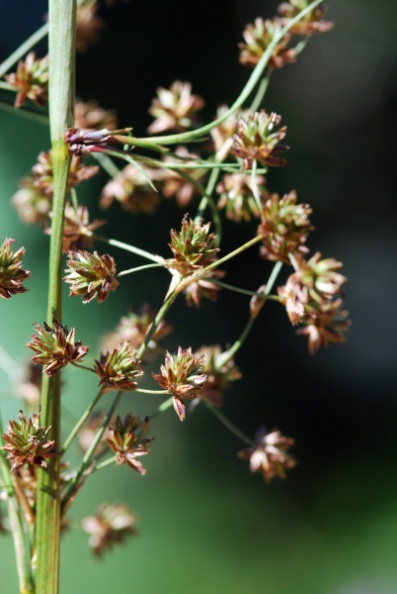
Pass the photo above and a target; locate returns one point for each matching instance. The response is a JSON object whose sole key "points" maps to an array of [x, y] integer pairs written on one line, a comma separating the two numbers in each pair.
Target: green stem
{"points": [[256, 103], [23, 49], [139, 268], [160, 315], [227, 423], [87, 460], [242, 291], [144, 391], [61, 91], [254, 187], [129, 248], [162, 408], [8, 86], [81, 422]]}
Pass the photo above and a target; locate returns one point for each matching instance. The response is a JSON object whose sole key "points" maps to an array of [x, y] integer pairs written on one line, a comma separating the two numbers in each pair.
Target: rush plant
{"points": [[226, 176]]}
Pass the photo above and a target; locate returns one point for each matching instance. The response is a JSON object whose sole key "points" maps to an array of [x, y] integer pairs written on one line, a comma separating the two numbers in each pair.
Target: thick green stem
{"points": [[61, 92]]}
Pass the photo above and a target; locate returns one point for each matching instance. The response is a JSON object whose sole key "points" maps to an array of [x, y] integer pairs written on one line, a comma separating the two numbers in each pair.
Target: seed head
{"points": [[183, 376], [118, 369], [236, 196], [27, 442], [133, 329], [258, 36], [131, 189], [174, 108], [12, 274], [129, 440], [325, 324], [110, 525], [257, 140], [268, 455], [30, 80], [91, 275], [285, 227], [55, 347], [220, 370], [310, 23]]}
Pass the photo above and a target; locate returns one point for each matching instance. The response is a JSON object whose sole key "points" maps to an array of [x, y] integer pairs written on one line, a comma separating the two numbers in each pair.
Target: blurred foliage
{"points": [[205, 524]]}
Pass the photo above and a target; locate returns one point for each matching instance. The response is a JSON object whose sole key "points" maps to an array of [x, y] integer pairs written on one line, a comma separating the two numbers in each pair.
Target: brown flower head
{"points": [[78, 230], [31, 203], [30, 80], [133, 329], [268, 454], [174, 108], [90, 116], [316, 280], [177, 186], [237, 198], [110, 525], [28, 388], [182, 376], [131, 189], [222, 135], [128, 439], [285, 227], [91, 275], [258, 36], [118, 369], [310, 23], [325, 324], [258, 140], [55, 347], [27, 442], [88, 26], [194, 249], [12, 274], [220, 371], [44, 176]]}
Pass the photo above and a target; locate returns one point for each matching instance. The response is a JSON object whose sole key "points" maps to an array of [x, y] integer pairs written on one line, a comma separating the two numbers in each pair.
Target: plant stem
{"points": [[61, 88], [162, 408], [139, 268], [228, 424], [129, 248], [81, 422]]}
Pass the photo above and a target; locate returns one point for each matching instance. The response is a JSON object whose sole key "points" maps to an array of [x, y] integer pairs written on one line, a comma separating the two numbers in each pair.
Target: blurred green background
{"points": [[206, 525]]}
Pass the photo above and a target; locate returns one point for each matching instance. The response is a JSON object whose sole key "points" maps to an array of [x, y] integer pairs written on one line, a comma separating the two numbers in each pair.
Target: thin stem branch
{"points": [[23, 49], [162, 408], [81, 422], [129, 248], [139, 268], [227, 423]]}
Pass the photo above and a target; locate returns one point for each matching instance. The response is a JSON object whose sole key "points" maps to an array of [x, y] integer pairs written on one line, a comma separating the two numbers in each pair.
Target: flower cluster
{"points": [[118, 369], [131, 188], [90, 116], [258, 139], [33, 201], [268, 455], [133, 329], [27, 442], [12, 274], [91, 275], [311, 23], [30, 80], [237, 198], [258, 36], [77, 229], [194, 249], [174, 108], [284, 228], [128, 439], [55, 347], [311, 297], [175, 185], [110, 525], [183, 376], [220, 370]]}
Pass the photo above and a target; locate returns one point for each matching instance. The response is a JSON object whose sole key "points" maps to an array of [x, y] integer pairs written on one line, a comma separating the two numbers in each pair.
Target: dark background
{"points": [[206, 524]]}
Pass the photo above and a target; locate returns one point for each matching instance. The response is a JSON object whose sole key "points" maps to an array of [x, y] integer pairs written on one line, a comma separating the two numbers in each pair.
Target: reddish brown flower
{"points": [[258, 36], [90, 116], [268, 455], [78, 230], [30, 80], [325, 324], [129, 441], [12, 274], [174, 108], [110, 525], [55, 347], [119, 369], [237, 198], [27, 442], [220, 371], [133, 329], [285, 227], [258, 140], [44, 176], [91, 275], [222, 135], [182, 376], [310, 23], [130, 187]]}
